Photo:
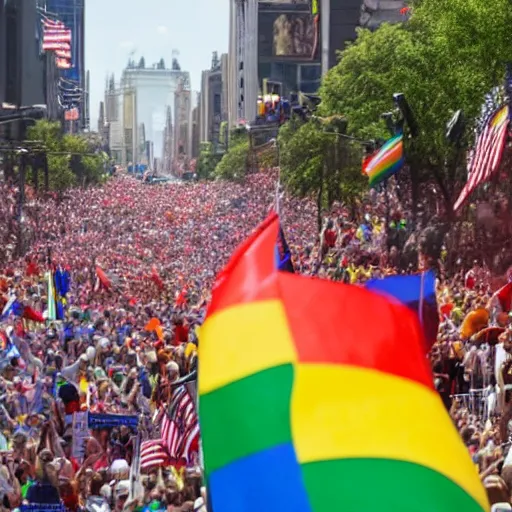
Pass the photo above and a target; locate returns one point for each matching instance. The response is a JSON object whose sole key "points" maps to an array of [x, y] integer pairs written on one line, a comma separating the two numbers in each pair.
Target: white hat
{"points": [[90, 353], [104, 342], [501, 507], [118, 467], [106, 491], [123, 488], [199, 505]]}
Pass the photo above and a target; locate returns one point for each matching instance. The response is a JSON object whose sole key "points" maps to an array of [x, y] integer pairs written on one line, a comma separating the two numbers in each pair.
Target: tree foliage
{"points": [[207, 161], [72, 159], [233, 165], [316, 160], [447, 57]]}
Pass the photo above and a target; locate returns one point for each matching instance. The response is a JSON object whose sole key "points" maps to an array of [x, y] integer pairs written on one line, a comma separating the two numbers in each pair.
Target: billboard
{"points": [[287, 35]]}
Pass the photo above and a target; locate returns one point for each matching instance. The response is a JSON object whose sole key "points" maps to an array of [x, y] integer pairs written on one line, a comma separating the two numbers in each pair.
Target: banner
{"points": [[99, 421], [80, 434], [42, 507]]}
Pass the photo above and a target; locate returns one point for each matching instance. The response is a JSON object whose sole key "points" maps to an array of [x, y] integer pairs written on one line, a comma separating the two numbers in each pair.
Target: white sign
{"points": [[80, 434]]}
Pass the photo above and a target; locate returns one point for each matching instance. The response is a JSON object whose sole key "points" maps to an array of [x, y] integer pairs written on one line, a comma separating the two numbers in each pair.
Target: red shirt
{"points": [[330, 237], [180, 334]]}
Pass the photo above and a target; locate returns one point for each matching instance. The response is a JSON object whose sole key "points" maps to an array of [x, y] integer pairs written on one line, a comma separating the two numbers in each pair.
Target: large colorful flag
{"points": [[486, 156], [417, 292], [386, 161], [306, 388]]}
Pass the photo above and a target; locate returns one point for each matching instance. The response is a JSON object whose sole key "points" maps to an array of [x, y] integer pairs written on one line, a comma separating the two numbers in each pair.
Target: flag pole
{"points": [[422, 293], [278, 184]]}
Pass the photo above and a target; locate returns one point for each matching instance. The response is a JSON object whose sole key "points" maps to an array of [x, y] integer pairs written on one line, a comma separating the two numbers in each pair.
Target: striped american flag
{"points": [[486, 156], [179, 432], [57, 38]]}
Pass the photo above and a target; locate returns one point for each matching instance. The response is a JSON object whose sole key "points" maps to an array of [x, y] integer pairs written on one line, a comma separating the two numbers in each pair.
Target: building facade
{"points": [[182, 114], [74, 86], [285, 46], [3, 52], [166, 160], [214, 100], [148, 93], [195, 139], [27, 77]]}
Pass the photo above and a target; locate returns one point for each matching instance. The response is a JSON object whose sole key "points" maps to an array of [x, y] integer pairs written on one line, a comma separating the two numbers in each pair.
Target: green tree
{"points": [[233, 165], [446, 58], [71, 158], [49, 134], [316, 160], [207, 161]]}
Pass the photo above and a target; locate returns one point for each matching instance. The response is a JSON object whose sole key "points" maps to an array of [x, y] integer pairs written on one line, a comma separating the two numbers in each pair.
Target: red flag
{"points": [[104, 280], [504, 296], [31, 314]]}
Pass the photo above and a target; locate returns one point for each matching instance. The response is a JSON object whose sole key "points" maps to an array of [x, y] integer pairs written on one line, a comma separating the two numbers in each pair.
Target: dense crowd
{"points": [[140, 260]]}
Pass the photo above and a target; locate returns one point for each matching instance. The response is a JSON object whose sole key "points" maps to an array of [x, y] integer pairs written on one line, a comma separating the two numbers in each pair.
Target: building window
{"points": [[310, 87], [217, 104], [310, 73]]}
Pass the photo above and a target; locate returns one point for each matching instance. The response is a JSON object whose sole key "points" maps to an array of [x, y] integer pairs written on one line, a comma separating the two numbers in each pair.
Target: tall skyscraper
{"points": [[213, 106], [72, 14]]}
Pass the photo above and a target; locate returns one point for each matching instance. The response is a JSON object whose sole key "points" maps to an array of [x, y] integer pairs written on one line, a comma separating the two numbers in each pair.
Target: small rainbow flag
{"points": [[308, 386], [387, 161]]}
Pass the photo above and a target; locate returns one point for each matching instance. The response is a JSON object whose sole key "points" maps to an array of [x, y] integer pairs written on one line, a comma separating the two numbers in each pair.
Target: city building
{"points": [[3, 52], [182, 114], [214, 100], [113, 126], [27, 77], [166, 159], [195, 127], [147, 92], [274, 48], [74, 83], [340, 18], [285, 46]]}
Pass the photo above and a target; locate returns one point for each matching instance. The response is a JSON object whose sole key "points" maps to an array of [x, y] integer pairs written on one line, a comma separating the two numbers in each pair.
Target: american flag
{"points": [[486, 156], [179, 432], [57, 38]]}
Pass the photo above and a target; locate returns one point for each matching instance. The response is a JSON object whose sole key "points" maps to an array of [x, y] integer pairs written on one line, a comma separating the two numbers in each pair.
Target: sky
{"points": [[151, 28]]}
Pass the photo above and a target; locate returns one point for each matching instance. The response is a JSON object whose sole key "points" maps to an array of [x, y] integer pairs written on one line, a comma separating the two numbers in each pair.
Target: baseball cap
{"points": [[122, 488]]}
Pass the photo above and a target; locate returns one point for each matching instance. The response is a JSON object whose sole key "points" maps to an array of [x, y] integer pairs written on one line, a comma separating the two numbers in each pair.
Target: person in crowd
{"points": [[141, 263]]}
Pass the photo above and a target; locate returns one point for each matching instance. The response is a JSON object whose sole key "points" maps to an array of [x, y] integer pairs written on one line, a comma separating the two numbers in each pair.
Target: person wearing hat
{"points": [[121, 494]]}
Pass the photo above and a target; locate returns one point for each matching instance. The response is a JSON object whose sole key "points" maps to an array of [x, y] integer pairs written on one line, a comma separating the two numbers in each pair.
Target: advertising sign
{"points": [[290, 35]]}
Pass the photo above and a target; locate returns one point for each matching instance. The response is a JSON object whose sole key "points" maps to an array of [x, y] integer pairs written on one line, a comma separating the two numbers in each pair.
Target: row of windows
{"points": [[294, 77]]}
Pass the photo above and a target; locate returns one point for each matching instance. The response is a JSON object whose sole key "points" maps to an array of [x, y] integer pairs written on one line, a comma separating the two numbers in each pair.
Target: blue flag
{"points": [[417, 292], [283, 254]]}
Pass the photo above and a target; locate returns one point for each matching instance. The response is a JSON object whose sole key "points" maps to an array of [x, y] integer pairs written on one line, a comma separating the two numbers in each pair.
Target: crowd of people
{"points": [[139, 262]]}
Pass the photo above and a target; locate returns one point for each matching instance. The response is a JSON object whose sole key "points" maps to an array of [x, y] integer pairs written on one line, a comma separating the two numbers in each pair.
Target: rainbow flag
{"points": [[388, 160], [306, 405]]}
